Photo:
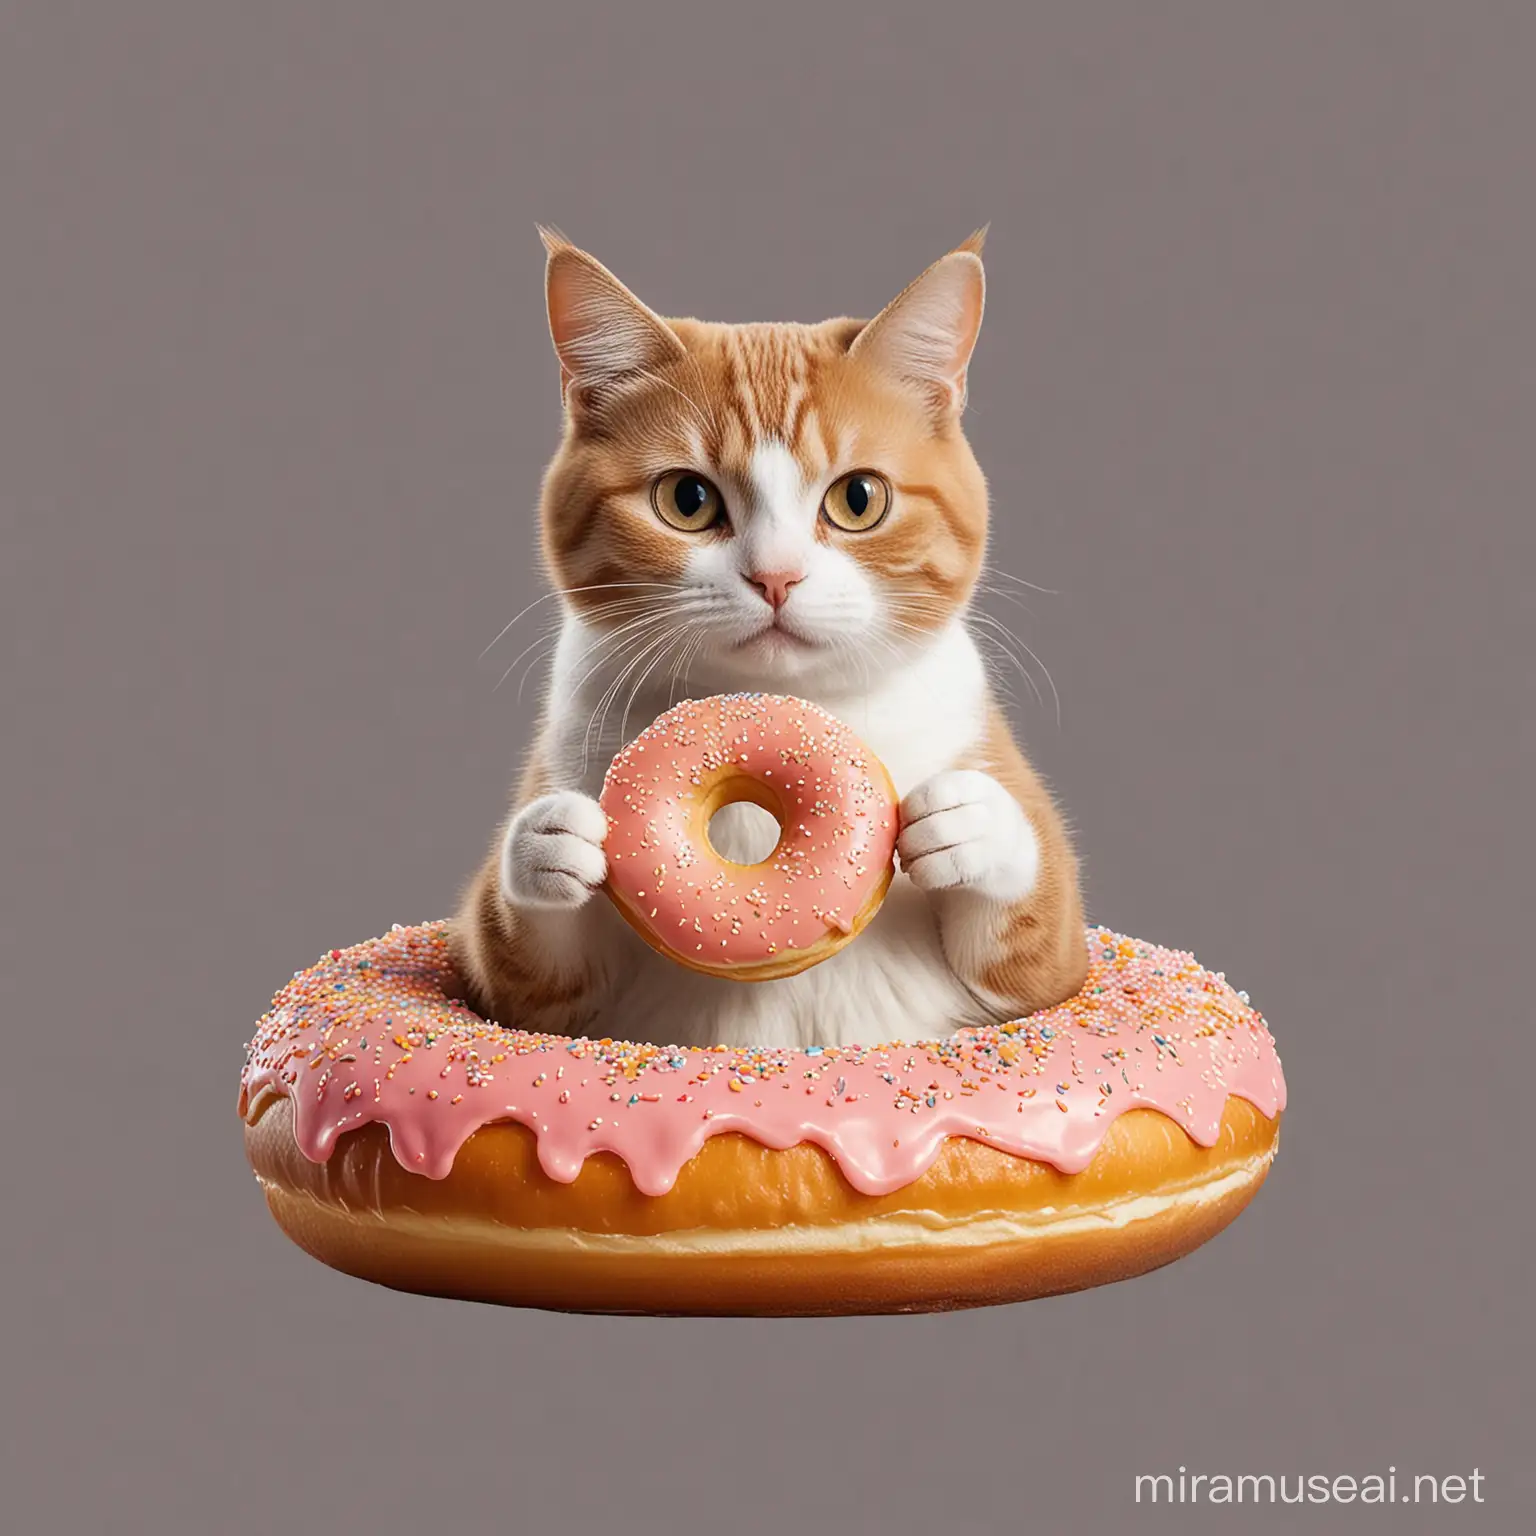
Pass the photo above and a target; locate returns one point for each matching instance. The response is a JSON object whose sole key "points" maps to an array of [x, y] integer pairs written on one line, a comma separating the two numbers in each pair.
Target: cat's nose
{"points": [[774, 585]]}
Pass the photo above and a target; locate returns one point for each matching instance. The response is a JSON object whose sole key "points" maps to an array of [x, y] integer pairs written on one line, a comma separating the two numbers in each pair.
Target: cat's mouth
{"points": [[775, 636]]}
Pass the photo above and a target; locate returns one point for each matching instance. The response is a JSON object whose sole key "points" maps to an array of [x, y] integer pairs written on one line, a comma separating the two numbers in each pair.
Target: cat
{"points": [[789, 509]]}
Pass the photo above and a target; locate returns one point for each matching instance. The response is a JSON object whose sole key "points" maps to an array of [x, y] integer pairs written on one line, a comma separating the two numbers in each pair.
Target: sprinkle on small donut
{"points": [[823, 881]]}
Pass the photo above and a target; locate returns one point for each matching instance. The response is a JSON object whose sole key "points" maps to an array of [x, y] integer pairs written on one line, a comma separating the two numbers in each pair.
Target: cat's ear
{"points": [[926, 334], [601, 331]]}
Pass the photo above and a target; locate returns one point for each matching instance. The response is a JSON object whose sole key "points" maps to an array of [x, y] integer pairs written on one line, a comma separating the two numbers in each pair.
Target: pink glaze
{"points": [[374, 1033], [838, 821]]}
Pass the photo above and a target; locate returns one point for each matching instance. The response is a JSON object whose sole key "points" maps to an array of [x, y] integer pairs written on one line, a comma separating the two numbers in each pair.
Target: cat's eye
{"points": [[857, 502], [687, 501]]}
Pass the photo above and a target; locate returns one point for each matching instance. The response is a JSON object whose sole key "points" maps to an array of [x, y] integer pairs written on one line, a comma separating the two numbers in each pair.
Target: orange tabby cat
{"points": [[791, 508]]}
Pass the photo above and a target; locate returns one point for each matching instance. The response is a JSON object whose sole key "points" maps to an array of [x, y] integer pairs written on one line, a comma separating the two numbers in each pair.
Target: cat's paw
{"points": [[552, 855], [962, 829]]}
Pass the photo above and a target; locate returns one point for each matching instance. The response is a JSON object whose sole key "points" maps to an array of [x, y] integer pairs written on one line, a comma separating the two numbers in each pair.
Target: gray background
{"points": [[1255, 396]]}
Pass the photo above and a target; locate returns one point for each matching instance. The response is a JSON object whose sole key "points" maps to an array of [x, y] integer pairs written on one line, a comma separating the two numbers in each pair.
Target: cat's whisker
{"points": [[1004, 639], [843, 645], [656, 645], [677, 661], [599, 708], [1001, 642], [545, 646], [599, 586], [903, 627], [891, 649], [985, 587], [987, 626], [613, 645], [632, 646], [685, 659], [680, 633], [599, 715], [688, 668], [920, 603], [505, 628], [550, 636], [915, 636], [555, 633], [995, 570], [699, 652], [1049, 679], [522, 681]]}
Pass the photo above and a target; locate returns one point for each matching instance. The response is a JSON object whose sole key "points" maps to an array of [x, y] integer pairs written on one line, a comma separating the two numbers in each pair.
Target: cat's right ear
{"points": [[602, 333]]}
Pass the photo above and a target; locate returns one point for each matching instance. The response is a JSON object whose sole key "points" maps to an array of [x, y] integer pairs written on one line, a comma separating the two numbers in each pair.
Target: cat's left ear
{"points": [[926, 334]]}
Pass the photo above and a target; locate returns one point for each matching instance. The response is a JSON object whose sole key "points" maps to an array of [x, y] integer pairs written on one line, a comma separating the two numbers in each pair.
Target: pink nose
{"points": [[775, 585]]}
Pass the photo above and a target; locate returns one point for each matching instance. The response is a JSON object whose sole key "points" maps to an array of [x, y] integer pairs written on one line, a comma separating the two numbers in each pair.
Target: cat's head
{"points": [[770, 506]]}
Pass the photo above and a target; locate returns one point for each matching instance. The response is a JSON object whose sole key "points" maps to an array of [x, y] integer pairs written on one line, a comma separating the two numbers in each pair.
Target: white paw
{"points": [[963, 829], [552, 855]]}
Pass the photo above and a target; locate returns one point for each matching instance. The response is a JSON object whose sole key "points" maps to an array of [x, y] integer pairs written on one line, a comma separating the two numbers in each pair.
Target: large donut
{"points": [[824, 879], [399, 1137]]}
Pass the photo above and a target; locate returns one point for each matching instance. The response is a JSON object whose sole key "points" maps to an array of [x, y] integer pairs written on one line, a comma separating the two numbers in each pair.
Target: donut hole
{"points": [[744, 832]]}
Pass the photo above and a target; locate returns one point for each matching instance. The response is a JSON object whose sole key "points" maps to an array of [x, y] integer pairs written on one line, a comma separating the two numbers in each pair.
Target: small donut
{"points": [[399, 1137], [826, 876]]}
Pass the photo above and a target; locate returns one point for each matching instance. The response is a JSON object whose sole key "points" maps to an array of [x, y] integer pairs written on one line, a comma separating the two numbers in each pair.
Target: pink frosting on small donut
{"points": [[375, 1034], [838, 837]]}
